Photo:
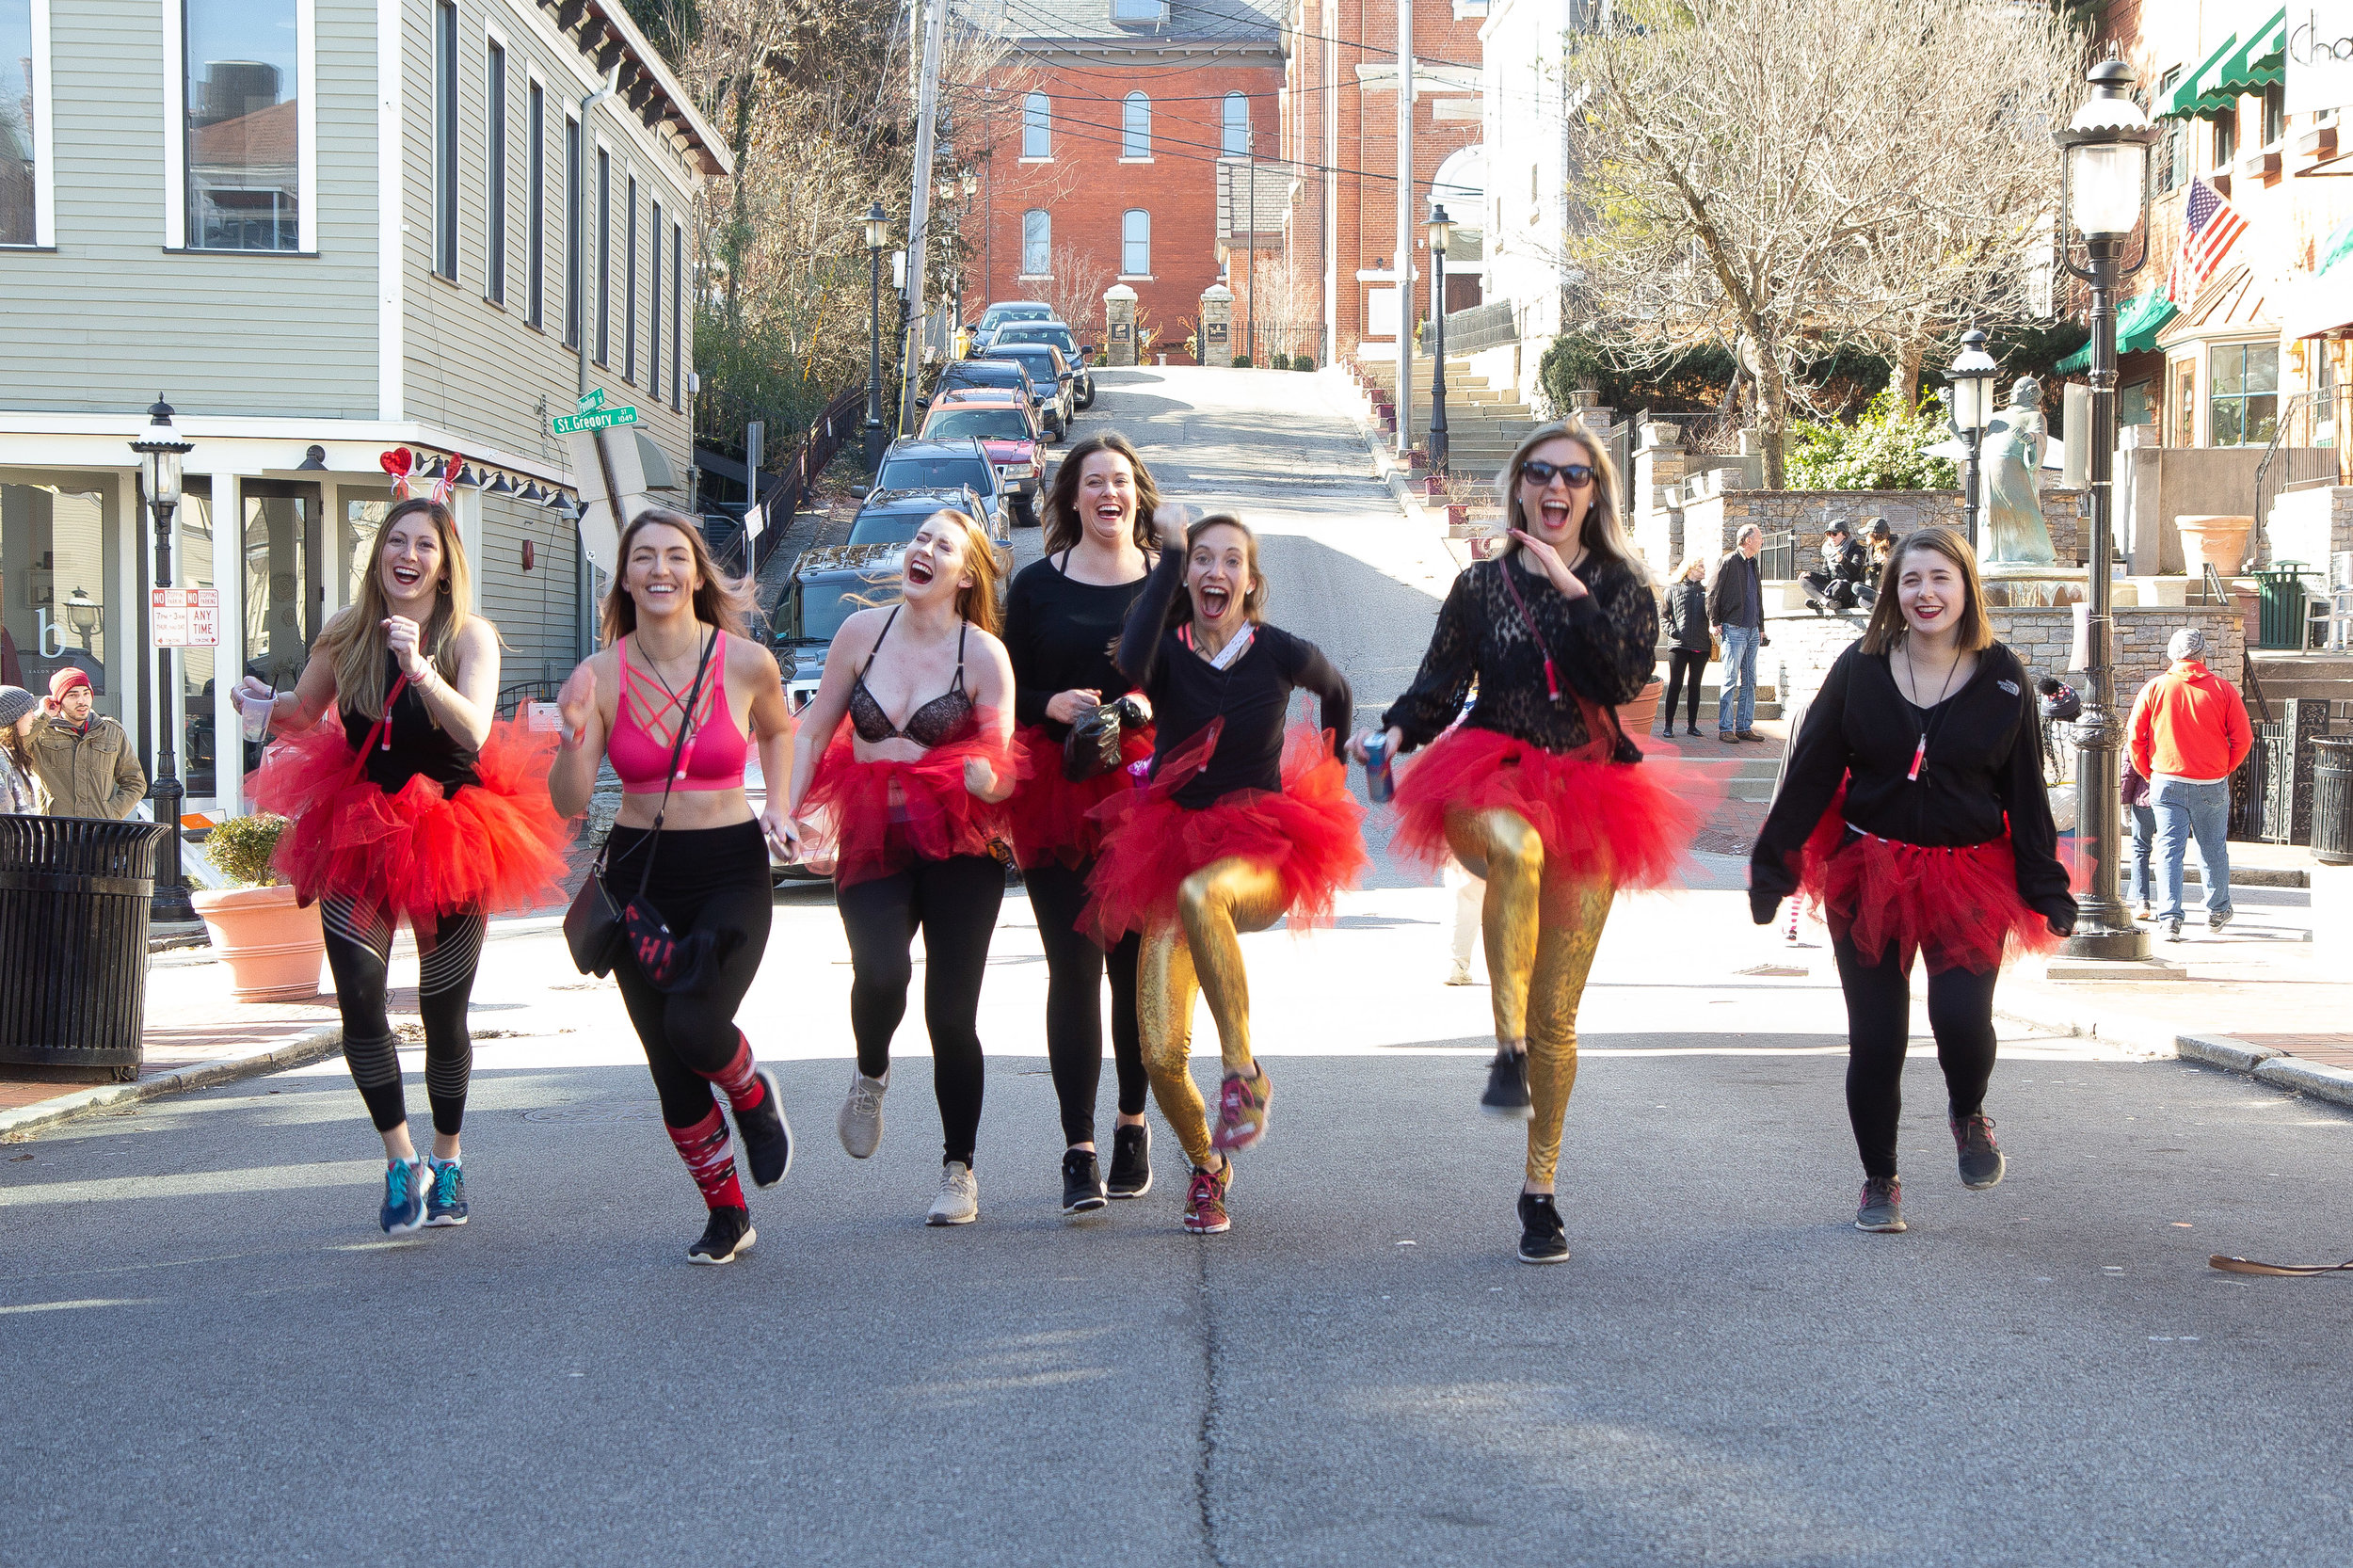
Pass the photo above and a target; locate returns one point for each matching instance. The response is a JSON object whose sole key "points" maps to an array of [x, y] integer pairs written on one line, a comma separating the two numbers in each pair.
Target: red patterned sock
{"points": [[704, 1147], [737, 1080]]}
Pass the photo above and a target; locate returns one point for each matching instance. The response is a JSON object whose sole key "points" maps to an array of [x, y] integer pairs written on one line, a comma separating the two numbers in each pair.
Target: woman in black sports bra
{"points": [[909, 808]]}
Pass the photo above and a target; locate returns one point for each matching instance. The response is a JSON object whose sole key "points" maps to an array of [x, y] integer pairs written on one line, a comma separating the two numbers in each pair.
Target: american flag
{"points": [[2209, 228]]}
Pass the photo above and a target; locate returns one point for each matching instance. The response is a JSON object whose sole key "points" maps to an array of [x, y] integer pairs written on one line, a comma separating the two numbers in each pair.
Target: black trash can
{"points": [[74, 902], [2332, 800]]}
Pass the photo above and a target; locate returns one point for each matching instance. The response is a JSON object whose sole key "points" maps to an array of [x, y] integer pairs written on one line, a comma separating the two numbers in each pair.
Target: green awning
{"points": [[2260, 62], [2137, 323], [2190, 96]]}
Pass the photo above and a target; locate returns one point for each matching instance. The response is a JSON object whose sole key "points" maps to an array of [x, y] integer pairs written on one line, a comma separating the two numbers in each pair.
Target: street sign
{"points": [[601, 419], [184, 618]]}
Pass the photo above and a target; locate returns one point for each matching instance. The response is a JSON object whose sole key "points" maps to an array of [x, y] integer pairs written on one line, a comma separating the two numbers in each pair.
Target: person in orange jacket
{"points": [[2188, 734]]}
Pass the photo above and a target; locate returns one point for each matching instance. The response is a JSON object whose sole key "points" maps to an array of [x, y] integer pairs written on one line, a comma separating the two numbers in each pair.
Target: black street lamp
{"points": [[2104, 197], [159, 461], [1971, 380], [82, 616], [877, 236], [1441, 231]]}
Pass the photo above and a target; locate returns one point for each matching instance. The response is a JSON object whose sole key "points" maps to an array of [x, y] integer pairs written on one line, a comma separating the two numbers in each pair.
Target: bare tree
{"points": [[1074, 286]]}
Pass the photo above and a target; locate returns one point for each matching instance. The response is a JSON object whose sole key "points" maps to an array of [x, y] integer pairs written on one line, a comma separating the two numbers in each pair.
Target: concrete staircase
{"points": [[2286, 674], [1484, 424]]}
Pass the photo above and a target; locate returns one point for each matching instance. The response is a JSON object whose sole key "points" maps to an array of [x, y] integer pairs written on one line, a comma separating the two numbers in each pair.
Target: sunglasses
{"points": [[1541, 474]]}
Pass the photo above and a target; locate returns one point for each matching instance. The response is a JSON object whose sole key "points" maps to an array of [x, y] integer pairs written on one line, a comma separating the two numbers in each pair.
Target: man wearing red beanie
{"points": [[83, 758]]}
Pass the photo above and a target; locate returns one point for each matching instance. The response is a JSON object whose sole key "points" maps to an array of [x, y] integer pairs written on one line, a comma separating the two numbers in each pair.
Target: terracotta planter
{"points": [[2216, 541], [273, 947], [1636, 717]]}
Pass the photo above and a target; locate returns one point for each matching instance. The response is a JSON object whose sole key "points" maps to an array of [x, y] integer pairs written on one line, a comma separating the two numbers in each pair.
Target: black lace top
{"points": [[1604, 646]]}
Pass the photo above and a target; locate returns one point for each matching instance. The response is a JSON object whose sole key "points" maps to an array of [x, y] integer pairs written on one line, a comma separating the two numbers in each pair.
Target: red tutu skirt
{"points": [[1048, 817], [876, 819], [423, 851], [1629, 823], [1959, 908], [1311, 833]]}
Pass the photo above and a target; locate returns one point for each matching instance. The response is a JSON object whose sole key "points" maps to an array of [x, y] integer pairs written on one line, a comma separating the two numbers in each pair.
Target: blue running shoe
{"points": [[445, 1203], [405, 1184]]}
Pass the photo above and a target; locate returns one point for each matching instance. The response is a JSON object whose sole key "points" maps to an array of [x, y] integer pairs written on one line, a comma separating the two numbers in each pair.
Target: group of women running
{"points": [[1118, 721]]}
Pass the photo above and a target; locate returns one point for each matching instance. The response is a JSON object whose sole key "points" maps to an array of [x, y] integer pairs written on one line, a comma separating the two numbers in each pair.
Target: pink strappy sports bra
{"points": [[645, 728]]}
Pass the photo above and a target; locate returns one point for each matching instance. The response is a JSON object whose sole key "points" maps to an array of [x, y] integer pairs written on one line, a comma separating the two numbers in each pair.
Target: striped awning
{"points": [[2243, 63], [2137, 323]]}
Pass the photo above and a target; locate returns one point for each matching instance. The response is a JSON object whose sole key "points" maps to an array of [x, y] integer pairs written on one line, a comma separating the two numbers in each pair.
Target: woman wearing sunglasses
{"points": [[1538, 790]]}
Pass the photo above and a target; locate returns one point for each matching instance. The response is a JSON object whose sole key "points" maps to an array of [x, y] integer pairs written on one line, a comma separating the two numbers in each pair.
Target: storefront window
{"points": [[363, 512], [2244, 406], [57, 565], [282, 597], [192, 564], [2133, 405]]}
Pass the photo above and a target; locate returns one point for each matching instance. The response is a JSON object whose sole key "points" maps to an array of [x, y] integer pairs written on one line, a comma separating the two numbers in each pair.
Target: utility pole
{"points": [[1404, 226], [919, 211], [1328, 350]]}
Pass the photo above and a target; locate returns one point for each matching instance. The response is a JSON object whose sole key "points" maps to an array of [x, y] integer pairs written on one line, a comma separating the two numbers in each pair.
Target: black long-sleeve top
{"points": [[1983, 770], [1062, 635], [1686, 616], [1252, 695], [1604, 646]]}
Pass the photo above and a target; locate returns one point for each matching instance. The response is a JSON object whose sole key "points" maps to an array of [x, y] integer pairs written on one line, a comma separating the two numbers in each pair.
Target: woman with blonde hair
{"points": [[910, 805], [1690, 644], [1538, 788], [676, 700], [415, 807], [1911, 812]]}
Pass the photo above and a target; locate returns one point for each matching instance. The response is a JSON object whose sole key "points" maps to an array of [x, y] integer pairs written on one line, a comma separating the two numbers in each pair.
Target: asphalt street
{"points": [[212, 1355]]}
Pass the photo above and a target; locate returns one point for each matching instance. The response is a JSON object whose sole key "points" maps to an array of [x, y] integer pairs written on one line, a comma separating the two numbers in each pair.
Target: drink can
{"points": [[1380, 771]]}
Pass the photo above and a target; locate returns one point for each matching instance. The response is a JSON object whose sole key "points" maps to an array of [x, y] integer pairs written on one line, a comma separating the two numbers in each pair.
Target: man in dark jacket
{"points": [[1736, 606], [1846, 569]]}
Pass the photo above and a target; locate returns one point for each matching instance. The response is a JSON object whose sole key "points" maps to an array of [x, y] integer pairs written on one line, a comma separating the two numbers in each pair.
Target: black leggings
{"points": [[359, 952], [1879, 1026], [1073, 1002], [1681, 660], [954, 902], [710, 883]]}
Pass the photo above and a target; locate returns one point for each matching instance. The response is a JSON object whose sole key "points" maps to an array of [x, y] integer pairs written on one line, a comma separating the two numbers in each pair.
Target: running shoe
{"points": [[2173, 928], [405, 1184], [1131, 1162], [1205, 1201], [2218, 919], [767, 1136], [1507, 1084], [727, 1237], [1882, 1204], [959, 1199], [1459, 975], [1082, 1182], [860, 1122], [1981, 1161], [445, 1198], [1542, 1236], [1242, 1111]]}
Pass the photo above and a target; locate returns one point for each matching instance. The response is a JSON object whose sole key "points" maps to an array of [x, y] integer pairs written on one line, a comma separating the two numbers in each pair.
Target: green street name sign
{"points": [[602, 419]]}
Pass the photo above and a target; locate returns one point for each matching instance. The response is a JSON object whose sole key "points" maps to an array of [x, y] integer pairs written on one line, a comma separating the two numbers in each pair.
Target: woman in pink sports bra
{"points": [[676, 656]]}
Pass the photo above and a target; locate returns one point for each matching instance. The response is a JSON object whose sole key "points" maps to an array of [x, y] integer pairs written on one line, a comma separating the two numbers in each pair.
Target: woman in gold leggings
{"points": [[1535, 786], [1235, 830]]}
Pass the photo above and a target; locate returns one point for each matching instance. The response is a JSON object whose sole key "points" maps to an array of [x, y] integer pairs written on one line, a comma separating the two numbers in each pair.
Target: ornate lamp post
{"points": [[877, 236], [159, 464], [1971, 380], [1441, 231], [2104, 197], [82, 614]]}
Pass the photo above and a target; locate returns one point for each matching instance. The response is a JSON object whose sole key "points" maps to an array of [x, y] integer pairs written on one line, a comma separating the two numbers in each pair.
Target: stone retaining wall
{"points": [[1719, 515]]}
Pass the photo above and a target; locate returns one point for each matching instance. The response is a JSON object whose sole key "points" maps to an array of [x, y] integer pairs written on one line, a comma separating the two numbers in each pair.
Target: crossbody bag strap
{"points": [[685, 728]]}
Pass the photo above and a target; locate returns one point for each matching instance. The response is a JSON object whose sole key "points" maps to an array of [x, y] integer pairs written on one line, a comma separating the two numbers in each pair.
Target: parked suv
{"points": [[922, 464], [1003, 311], [1047, 368], [1061, 337], [892, 517], [1006, 432], [1040, 390]]}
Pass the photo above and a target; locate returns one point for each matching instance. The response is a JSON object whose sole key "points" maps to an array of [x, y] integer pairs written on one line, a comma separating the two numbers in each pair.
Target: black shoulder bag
{"points": [[598, 926]]}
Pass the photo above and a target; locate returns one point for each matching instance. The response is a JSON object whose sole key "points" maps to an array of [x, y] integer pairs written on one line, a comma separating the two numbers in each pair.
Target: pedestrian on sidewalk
{"points": [[414, 805], [84, 759], [1735, 606], [1078, 738], [910, 807], [1692, 644], [1538, 790], [1845, 567], [21, 791], [2132, 793], [1914, 814], [2189, 733], [1239, 828], [676, 700]]}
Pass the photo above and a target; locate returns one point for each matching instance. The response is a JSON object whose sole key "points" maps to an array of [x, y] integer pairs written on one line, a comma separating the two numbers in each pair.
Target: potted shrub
{"points": [[273, 946]]}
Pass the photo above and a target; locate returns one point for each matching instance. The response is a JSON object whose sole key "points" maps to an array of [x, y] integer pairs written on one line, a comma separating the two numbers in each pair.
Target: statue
{"points": [[2015, 532]]}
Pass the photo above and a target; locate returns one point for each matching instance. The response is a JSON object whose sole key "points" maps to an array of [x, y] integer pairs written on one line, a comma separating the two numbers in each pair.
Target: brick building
{"points": [[1113, 118]]}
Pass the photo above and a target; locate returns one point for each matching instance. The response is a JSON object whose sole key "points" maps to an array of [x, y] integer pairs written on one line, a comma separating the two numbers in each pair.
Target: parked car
{"points": [[1047, 368], [919, 465], [892, 517], [1007, 433], [755, 792], [1011, 374], [1061, 337], [1003, 311]]}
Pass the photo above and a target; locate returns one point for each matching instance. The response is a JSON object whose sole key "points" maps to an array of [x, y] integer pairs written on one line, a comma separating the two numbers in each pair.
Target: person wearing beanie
{"points": [[2189, 733], [82, 758], [19, 790]]}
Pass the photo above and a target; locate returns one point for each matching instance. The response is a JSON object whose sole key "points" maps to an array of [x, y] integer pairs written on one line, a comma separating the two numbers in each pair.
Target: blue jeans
{"points": [[2186, 810], [1738, 688], [2143, 822]]}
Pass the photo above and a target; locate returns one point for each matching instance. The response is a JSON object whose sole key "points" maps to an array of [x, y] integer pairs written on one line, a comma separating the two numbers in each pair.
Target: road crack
{"points": [[1205, 1437]]}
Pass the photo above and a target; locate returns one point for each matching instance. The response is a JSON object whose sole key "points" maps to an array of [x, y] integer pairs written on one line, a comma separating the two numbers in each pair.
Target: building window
{"points": [[24, 104], [2275, 114], [494, 175], [1135, 243], [1038, 126], [653, 313], [1037, 243], [575, 226], [2324, 398], [2226, 138], [678, 321], [445, 140], [1135, 127], [242, 80], [629, 282], [1236, 142], [2243, 409], [2171, 153], [58, 558], [2136, 404], [604, 256], [536, 202]]}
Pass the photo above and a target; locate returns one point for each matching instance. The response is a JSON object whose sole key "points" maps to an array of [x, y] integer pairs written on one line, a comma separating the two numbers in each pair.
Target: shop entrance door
{"points": [[284, 582]]}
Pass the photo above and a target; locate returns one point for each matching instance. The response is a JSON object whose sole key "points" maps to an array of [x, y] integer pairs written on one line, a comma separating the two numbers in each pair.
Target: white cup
{"points": [[256, 702]]}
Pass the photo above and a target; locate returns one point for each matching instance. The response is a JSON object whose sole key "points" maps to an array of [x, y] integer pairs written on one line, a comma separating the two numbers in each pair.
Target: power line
{"points": [[1246, 20]]}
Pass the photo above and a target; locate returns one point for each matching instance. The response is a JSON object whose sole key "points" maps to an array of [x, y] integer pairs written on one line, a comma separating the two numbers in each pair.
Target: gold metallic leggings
{"points": [[1199, 952], [1536, 967]]}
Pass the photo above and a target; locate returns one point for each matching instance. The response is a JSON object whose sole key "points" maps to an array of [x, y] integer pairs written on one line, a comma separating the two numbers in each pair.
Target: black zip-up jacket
{"points": [[1686, 616], [1738, 597], [1983, 772]]}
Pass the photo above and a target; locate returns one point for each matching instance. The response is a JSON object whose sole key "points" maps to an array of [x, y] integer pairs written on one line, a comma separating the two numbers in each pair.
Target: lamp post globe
{"points": [[1441, 232], [877, 226], [160, 453], [1971, 380]]}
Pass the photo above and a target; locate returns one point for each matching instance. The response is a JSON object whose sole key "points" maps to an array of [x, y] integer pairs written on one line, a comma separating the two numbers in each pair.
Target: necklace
{"points": [[654, 665], [1920, 752]]}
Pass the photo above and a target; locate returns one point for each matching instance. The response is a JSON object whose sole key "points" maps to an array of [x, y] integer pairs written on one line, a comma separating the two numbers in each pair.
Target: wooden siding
{"points": [[532, 610]]}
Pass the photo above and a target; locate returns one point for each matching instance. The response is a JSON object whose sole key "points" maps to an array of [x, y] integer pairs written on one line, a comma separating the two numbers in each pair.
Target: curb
{"points": [[304, 1048], [2135, 1036], [2267, 1064]]}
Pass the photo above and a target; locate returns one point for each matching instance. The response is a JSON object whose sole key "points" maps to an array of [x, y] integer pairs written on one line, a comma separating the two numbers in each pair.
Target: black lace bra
{"points": [[936, 723]]}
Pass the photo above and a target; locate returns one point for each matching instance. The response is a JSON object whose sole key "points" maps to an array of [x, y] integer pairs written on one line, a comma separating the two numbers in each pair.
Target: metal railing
{"points": [[511, 699], [1273, 344], [835, 425], [2292, 458]]}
